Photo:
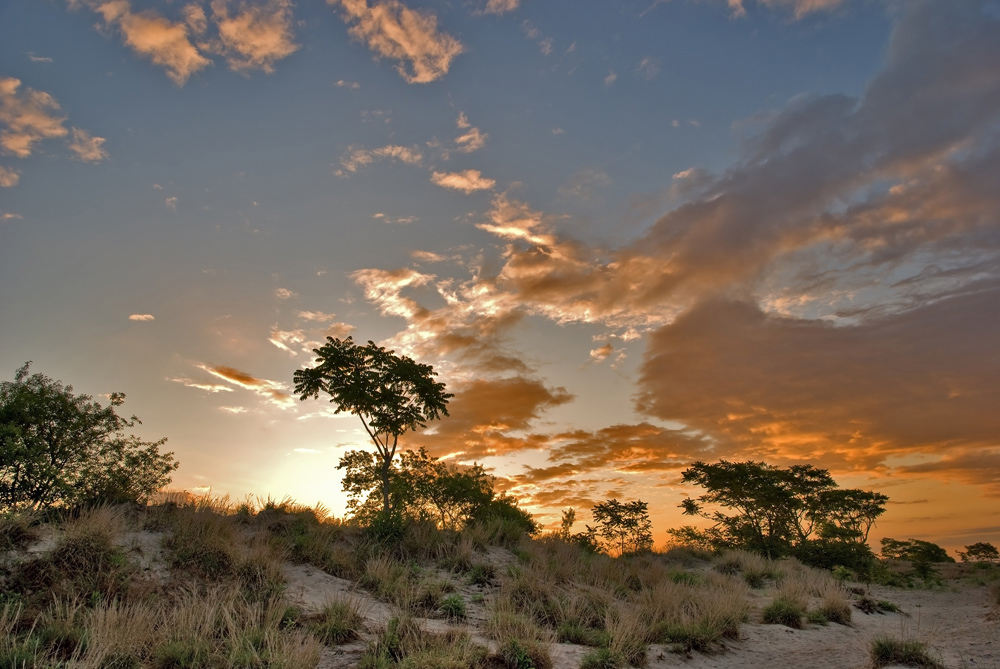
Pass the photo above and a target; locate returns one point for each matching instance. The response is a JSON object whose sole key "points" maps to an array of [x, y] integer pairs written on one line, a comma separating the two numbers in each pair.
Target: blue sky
{"points": [[629, 235]]}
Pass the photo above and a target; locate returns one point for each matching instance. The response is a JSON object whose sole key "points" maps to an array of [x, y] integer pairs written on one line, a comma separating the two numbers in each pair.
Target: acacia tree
{"points": [[391, 395], [776, 511], [59, 448], [624, 526]]}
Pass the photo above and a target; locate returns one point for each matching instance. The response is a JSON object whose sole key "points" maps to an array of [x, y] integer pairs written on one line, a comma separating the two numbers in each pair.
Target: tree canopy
{"points": [[58, 448], [391, 394], [779, 511], [623, 527]]}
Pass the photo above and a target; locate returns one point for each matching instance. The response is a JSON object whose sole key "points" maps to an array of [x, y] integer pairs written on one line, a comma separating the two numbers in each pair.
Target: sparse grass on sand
{"points": [[207, 589]]}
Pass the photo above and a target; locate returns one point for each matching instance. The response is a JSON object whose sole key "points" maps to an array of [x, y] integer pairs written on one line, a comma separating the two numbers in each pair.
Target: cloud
{"points": [[318, 316], [467, 181], [409, 36], [397, 220], [648, 68], [141, 317], [8, 216], [358, 157], [798, 7], [30, 117], [601, 353], [171, 203], [486, 414], [9, 177], [254, 37], [338, 330], [285, 339], [472, 139], [152, 36], [353, 85], [763, 385], [38, 59], [274, 392], [611, 78], [207, 387], [284, 294], [499, 7], [87, 148], [533, 33]]}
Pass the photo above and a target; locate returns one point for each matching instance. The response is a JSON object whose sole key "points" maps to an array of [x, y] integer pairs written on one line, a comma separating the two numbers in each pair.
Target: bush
{"points": [[783, 611], [604, 658], [453, 606], [339, 622], [885, 650]]}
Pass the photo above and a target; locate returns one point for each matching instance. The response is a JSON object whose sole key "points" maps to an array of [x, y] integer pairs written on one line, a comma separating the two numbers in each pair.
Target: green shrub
{"points": [[572, 631], [339, 622], [525, 654]]}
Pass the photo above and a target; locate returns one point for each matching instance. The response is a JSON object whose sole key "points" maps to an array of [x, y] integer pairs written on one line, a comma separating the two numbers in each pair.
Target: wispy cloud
{"points": [[9, 216], [274, 392], [532, 32], [648, 68], [207, 387], [798, 7], [141, 317], [411, 37], [472, 138], [318, 316], [171, 203], [9, 177], [254, 37], [87, 148], [467, 181], [611, 78], [353, 85], [358, 157], [286, 339], [284, 293], [501, 6], [38, 59]]}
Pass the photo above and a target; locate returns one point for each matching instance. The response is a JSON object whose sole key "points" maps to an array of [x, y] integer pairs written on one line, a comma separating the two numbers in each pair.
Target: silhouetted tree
{"points": [[980, 552], [623, 526], [779, 511], [914, 550], [58, 448], [391, 395]]}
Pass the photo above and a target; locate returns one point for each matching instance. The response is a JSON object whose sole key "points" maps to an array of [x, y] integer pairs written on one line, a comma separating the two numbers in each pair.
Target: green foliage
{"points": [[391, 394], [885, 650], [339, 622], [798, 510], [604, 658], [624, 527], [453, 606], [58, 448], [980, 552]]}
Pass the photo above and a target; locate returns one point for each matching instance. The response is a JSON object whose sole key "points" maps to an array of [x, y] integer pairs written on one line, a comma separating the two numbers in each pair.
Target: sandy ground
{"points": [[955, 622]]}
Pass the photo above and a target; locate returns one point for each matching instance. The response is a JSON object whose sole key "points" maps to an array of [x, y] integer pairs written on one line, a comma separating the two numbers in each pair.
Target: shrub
{"points": [[885, 650], [604, 658], [524, 654], [339, 622], [783, 611], [453, 606]]}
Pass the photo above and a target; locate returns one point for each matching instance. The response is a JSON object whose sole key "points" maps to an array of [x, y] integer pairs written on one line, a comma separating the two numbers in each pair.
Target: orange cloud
{"points": [[150, 35], [467, 181], [141, 317], [917, 382], [274, 392], [486, 415], [358, 157], [255, 37], [501, 6], [30, 117], [411, 37]]}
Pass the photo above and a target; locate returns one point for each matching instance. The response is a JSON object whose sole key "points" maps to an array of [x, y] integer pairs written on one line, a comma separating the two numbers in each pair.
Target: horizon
{"points": [[627, 236]]}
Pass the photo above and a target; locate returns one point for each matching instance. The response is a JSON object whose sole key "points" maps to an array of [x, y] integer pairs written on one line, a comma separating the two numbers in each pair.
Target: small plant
{"points": [[453, 606], [482, 574], [887, 606], [572, 631], [604, 658], [783, 611], [521, 654], [835, 610], [885, 650], [339, 622]]}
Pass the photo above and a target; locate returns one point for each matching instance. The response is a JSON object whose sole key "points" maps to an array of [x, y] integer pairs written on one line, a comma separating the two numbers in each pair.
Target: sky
{"points": [[628, 236]]}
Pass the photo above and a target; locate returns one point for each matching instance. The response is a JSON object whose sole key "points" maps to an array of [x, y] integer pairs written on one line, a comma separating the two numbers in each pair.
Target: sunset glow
{"points": [[627, 235]]}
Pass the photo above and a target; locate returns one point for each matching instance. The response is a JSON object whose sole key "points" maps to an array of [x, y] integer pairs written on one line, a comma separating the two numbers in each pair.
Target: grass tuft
{"points": [[885, 650]]}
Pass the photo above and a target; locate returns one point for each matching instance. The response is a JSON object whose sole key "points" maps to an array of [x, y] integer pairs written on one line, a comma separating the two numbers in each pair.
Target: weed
{"points": [[339, 622], [783, 611], [453, 606], [524, 654], [604, 658], [885, 650], [482, 574]]}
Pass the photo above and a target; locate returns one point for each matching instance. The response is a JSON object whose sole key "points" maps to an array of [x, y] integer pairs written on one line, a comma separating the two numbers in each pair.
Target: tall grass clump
{"points": [[339, 622], [17, 530], [404, 643]]}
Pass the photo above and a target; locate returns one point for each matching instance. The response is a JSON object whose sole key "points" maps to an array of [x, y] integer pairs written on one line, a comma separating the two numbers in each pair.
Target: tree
{"points": [[391, 395], [624, 526], [424, 488], [914, 550], [780, 511], [980, 552], [58, 448]]}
